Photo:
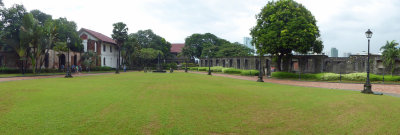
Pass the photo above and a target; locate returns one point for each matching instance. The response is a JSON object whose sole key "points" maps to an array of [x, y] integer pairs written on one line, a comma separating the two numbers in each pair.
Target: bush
{"points": [[282, 75], [328, 76], [6, 70], [355, 76], [189, 65], [170, 65], [193, 68], [100, 68], [231, 71], [216, 69], [202, 68], [250, 72]]}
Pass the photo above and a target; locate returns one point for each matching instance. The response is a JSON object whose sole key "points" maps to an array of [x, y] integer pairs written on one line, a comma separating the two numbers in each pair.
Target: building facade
{"points": [[334, 52], [105, 47]]}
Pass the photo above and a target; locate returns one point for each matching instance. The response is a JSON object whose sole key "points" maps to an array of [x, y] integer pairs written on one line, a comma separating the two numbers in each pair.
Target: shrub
{"points": [[216, 69], [328, 76], [231, 71], [355, 76], [100, 68], [6, 70], [202, 68], [189, 65], [170, 65], [193, 68], [282, 75], [250, 72]]}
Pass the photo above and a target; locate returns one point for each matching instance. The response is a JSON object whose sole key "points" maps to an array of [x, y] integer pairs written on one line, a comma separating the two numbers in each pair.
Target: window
{"points": [[217, 62], [104, 61], [223, 63], [246, 64], [104, 48], [238, 63], [110, 48]]}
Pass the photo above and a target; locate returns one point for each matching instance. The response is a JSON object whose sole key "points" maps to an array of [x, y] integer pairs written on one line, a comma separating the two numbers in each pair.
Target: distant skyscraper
{"points": [[247, 42], [334, 52]]}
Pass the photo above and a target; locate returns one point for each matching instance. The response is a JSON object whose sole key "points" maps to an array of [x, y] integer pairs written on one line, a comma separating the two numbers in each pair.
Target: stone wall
{"points": [[306, 64]]}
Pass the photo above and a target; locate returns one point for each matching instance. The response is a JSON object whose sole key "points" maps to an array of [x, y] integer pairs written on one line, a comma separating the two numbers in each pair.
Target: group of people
{"points": [[74, 68]]}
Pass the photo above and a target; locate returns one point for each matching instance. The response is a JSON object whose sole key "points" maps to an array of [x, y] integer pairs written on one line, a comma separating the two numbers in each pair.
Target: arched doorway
{"points": [[61, 61]]}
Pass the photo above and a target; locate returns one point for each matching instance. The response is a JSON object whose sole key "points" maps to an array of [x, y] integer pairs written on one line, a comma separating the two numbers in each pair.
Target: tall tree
{"points": [[148, 39], [149, 54], [389, 55], [234, 49], [40, 16], [200, 44], [65, 29], [11, 21], [120, 35], [284, 26], [30, 35], [129, 50]]}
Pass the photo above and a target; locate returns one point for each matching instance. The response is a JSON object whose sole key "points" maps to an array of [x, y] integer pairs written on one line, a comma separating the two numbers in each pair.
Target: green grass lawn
{"points": [[45, 74], [184, 103]]}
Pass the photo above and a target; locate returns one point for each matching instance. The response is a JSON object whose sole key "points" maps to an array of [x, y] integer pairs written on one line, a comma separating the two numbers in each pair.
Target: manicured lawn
{"points": [[179, 103], [45, 74]]}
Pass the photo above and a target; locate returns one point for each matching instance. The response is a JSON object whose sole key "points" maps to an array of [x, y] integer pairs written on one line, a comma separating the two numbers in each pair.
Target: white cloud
{"points": [[342, 22]]}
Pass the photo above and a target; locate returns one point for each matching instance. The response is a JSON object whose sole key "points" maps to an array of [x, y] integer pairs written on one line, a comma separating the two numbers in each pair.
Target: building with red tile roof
{"points": [[102, 45]]}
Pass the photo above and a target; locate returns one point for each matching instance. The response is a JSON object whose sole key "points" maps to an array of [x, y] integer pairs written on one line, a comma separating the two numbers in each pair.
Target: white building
{"points": [[104, 46]]}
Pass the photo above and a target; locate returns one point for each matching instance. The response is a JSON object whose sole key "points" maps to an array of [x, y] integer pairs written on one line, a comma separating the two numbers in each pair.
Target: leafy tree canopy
{"points": [[40, 16], [284, 26], [67, 29], [389, 54], [148, 39], [202, 45], [120, 33]]}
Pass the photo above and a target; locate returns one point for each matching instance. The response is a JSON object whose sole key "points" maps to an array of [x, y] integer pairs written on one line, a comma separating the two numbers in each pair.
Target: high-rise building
{"points": [[247, 42], [334, 52]]}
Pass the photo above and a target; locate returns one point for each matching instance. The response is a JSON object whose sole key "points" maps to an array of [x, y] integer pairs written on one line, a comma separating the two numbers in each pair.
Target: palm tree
{"points": [[389, 55], [89, 58]]}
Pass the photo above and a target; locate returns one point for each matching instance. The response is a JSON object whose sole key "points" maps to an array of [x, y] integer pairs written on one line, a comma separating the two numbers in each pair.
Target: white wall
{"points": [[111, 57]]}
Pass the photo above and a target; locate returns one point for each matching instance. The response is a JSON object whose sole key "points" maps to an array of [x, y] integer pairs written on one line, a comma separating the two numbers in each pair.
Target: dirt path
{"points": [[384, 88]]}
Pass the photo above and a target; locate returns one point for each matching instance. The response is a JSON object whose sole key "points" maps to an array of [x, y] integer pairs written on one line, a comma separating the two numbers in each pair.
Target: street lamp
{"points": [[260, 76], [209, 62], [68, 74], [367, 85]]}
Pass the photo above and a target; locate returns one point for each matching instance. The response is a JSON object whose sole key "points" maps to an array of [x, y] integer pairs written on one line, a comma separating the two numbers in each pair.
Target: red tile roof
{"points": [[99, 36], [177, 48]]}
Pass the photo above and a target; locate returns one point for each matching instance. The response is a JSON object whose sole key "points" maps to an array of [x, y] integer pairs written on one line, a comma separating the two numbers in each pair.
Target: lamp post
{"points": [[260, 76], [68, 74], [209, 62], [367, 85]]}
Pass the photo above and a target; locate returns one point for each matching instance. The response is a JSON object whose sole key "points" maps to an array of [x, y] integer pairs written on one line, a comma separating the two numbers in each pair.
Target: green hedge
{"points": [[333, 76], [250, 72], [101, 68], [227, 70]]}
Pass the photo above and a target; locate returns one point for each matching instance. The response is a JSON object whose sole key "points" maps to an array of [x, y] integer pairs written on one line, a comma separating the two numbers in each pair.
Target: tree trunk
{"points": [[278, 63], [286, 62]]}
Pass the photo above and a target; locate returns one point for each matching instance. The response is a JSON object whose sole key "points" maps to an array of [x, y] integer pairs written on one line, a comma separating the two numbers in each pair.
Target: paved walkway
{"points": [[384, 88]]}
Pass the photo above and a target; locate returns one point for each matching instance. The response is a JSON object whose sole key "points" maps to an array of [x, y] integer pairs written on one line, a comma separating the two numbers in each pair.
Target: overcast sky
{"points": [[342, 22]]}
